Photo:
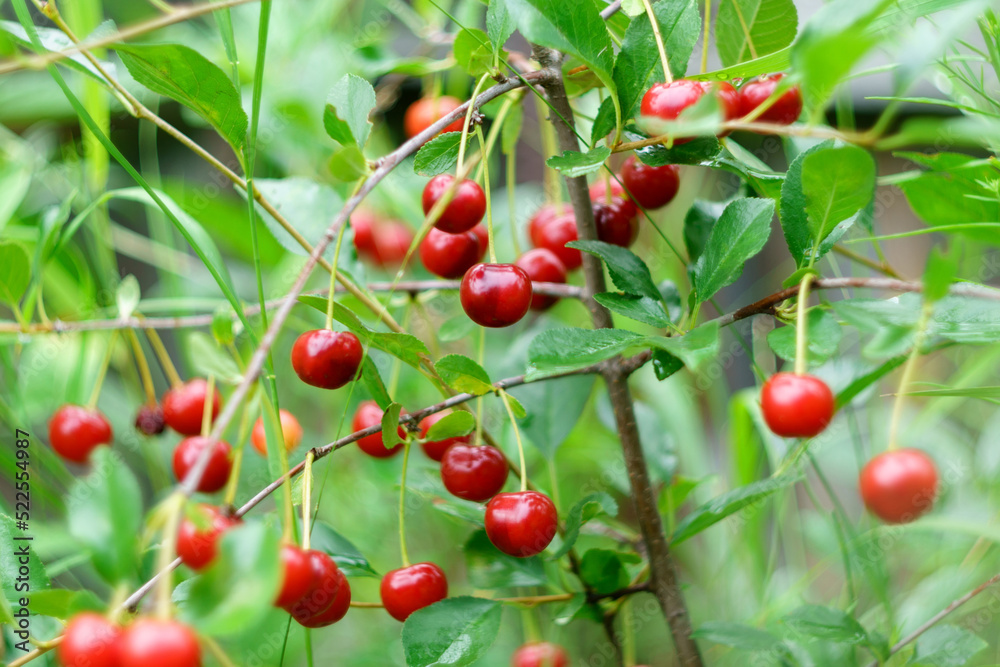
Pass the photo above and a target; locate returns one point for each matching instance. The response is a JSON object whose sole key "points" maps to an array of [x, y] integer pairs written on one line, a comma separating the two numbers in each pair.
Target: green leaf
{"points": [[792, 212], [837, 182], [12, 551], [965, 392], [453, 425], [724, 506], [947, 646], [341, 550], [184, 75], [629, 273], [222, 326], [56, 40], [665, 364], [348, 106], [736, 635], [739, 234], [694, 348], [826, 623], [778, 61], [746, 29], [640, 308], [15, 272], [107, 515], [604, 570], [489, 568], [226, 598], [510, 133], [62, 603], [573, 163], [373, 380], [698, 223], [940, 272], [556, 406], [439, 155], [209, 359], [499, 25], [348, 164], [127, 296], [463, 374], [455, 631], [586, 509], [558, 350], [473, 51], [306, 204], [390, 426], [824, 338]]}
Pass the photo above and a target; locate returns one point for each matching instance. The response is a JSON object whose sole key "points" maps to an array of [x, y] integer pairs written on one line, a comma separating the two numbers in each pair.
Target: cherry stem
{"points": [[802, 327], [628, 635], [468, 121], [217, 652], [102, 373], [706, 36], [907, 377], [140, 359], [333, 268], [486, 191], [402, 505], [173, 377], [164, 587], [517, 436], [512, 197], [234, 477], [667, 76], [207, 407], [307, 478], [397, 365], [553, 191]]}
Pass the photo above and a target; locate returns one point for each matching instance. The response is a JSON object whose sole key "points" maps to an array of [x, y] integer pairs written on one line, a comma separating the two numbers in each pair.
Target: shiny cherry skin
{"points": [[466, 208], [89, 640], [435, 449], [599, 190], [495, 295], [184, 406], [149, 420], [326, 584], [426, 111], [198, 546], [652, 187], [796, 406], [542, 266], [544, 216], [554, 236], [617, 222], [522, 523], [450, 255], [151, 642], [900, 485], [408, 589], [785, 110], [539, 654], [474, 473], [382, 242], [298, 577], [74, 432], [327, 359], [369, 414], [291, 432], [338, 607], [668, 100], [220, 463]]}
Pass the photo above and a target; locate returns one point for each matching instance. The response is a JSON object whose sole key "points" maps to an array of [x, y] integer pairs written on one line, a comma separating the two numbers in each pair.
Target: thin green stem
{"points": [[207, 407], [907, 377], [802, 327], [164, 358], [517, 436], [307, 479], [102, 372], [174, 507], [706, 35], [486, 190], [468, 121], [402, 505], [479, 400], [140, 359], [234, 476], [664, 61]]}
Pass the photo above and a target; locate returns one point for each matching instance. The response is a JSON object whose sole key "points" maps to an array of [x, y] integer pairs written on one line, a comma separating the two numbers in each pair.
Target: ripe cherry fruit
{"points": [[327, 359], [383, 242], [544, 216], [435, 449], [184, 406], [542, 266], [198, 542], [322, 604], [900, 485], [474, 473], [466, 208], [89, 640], [521, 524], [219, 466], [785, 110], [291, 432], [617, 222], [600, 188], [555, 234], [149, 420], [652, 187], [426, 111], [450, 255], [539, 654], [495, 295], [408, 589], [796, 406], [337, 609], [74, 432], [668, 100], [369, 414], [297, 578], [151, 642]]}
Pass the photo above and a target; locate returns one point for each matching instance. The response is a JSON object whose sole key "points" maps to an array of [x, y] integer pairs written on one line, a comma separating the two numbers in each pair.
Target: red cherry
{"points": [[554, 236], [617, 222], [466, 208], [436, 449], [542, 266], [796, 406], [220, 463], [298, 578], [900, 485], [729, 101], [450, 255], [484, 239], [183, 406], [544, 216], [337, 609], [668, 100], [599, 190], [198, 547], [327, 359], [369, 414], [383, 242], [521, 524], [426, 111], [652, 187], [291, 432], [785, 110], [89, 640], [539, 654], [151, 642], [149, 420], [326, 579], [495, 295], [408, 589], [474, 473], [74, 432]]}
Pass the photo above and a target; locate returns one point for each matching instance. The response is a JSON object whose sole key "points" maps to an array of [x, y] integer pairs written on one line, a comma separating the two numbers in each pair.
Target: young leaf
{"points": [[824, 338], [453, 425], [373, 380], [473, 51], [640, 308], [837, 182], [746, 29], [438, 155], [15, 272], [390, 426], [586, 509], [341, 550], [556, 406], [557, 350], [947, 646], [792, 211], [826, 623], [629, 273], [455, 631], [347, 109], [463, 374], [499, 25], [604, 570], [573, 163], [694, 348], [348, 164], [127, 296], [739, 234], [728, 504]]}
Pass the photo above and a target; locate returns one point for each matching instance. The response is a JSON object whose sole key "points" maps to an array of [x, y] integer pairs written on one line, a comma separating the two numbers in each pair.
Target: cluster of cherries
{"points": [[91, 640]]}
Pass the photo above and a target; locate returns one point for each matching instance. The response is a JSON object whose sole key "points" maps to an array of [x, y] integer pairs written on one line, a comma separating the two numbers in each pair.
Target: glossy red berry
{"points": [[474, 473], [291, 432], [383, 242], [521, 524], [542, 266], [297, 578], [785, 110], [220, 462], [796, 406], [652, 187], [149, 420], [539, 654], [466, 208], [89, 640], [408, 589], [426, 111], [436, 449], [900, 485], [617, 222], [544, 216], [369, 414], [600, 188], [555, 234], [495, 295], [198, 542], [450, 255], [668, 100], [326, 585], [153, 642], [338, 607], [327, 359], [184, 406], [74, 432]]}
